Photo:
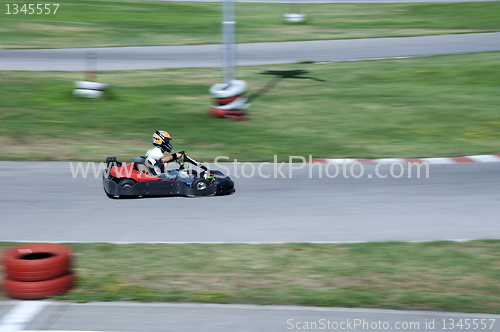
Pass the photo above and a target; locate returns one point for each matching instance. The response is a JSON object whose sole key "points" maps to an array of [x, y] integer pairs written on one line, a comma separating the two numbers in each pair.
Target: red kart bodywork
{"points": [[127, 171]]}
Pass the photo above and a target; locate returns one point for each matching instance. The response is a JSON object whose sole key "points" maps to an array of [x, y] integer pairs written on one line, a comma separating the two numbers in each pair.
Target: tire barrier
{"points": [[225, 101], [89, 90], [38, 270], [229, 102], [35, 290], [294, 18], [37, 262], [231, 115]]}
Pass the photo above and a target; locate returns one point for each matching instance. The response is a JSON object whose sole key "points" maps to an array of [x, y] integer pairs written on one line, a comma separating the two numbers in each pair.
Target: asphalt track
{"points": [[41, 201], [154, 57], [133, 317]]}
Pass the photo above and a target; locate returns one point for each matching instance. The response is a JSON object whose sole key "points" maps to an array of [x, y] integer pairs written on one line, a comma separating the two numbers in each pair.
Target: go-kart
{"points": [[137, 179]]}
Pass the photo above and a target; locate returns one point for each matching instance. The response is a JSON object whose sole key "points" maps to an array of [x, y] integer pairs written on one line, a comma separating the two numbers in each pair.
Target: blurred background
{"points": [[416, 107]]}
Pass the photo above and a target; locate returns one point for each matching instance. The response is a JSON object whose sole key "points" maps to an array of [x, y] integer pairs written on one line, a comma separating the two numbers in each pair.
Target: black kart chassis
{"points": [[222, 186]]}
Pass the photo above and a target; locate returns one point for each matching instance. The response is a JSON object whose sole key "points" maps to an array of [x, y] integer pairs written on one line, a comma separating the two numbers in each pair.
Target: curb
{"points": [[435, 161]]}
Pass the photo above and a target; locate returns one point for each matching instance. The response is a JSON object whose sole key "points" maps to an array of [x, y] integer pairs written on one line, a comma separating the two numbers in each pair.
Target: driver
{"points": [[156, 160]]}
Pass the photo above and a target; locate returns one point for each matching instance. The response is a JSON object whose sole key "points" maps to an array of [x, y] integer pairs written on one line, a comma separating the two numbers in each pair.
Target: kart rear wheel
{"points": [[200, 184], [126, 183]]}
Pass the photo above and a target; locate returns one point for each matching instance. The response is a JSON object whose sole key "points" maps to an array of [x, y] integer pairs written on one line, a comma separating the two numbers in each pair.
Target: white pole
{"points": [[228, 24]]}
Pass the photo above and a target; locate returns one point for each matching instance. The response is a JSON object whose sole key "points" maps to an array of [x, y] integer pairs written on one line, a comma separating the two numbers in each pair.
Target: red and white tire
{"points": [[224, 113], [237, 104], [224, 90], [225, 101], [37, 262], [37, 289]]}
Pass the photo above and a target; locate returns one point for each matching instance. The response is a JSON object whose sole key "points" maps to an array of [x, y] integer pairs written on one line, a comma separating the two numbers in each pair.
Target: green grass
{"points": [[92, 23], [418, 107], [448, 276]]}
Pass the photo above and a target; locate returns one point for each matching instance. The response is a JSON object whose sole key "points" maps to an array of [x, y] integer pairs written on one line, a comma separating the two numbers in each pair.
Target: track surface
{"points": [[41, 201], [154, 57], [127, 317]]}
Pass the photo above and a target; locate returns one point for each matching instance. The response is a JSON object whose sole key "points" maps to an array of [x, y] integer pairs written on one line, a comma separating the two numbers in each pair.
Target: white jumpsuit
{"points": [[153, 157]]}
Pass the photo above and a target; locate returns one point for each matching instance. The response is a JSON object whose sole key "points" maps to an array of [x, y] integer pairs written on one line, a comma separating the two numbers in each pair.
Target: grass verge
{"points": [[448, 276], [92, 23], [418, 107]]}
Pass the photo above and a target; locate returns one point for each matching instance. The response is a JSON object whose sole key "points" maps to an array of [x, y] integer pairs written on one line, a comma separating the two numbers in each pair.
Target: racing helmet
{"points": [[162, 139]]}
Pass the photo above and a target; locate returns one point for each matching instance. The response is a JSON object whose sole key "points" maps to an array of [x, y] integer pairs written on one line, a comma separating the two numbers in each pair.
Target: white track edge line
{"points": [[20, 316]]}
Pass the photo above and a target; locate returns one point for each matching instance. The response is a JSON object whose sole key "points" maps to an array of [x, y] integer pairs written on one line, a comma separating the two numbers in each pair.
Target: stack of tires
{"points": [[89, 90], [36, 271], [229, 100]]}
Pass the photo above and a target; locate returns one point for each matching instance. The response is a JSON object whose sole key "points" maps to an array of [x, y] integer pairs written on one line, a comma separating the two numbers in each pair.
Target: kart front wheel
{"points": [[126, 183], [200, 184]]}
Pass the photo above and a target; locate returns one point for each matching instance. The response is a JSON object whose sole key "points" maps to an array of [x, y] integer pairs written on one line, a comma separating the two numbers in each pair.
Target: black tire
{"points": [[200, 184], [126, 183]]}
